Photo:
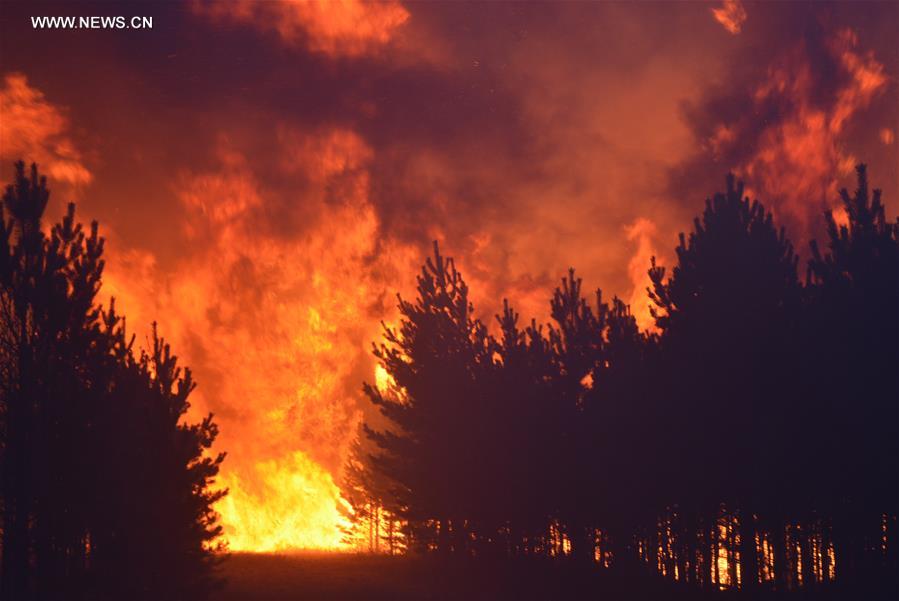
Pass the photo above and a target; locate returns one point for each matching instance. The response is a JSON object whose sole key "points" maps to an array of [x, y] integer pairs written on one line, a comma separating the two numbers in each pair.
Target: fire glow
{"points": [[300, 349], [274, 297]]}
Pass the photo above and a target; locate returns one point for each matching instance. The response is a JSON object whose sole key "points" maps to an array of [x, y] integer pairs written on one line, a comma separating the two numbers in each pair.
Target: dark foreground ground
{"points": [[322, 576], [312, 575]]}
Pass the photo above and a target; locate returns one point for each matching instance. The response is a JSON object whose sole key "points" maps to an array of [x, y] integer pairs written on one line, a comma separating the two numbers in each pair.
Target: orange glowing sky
{"points": [[270, 174]]}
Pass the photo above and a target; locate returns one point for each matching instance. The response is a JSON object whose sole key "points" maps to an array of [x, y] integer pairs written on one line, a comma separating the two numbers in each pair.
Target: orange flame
{"points": [[731, 15], [292, 503], [799, 157], [33, 129], [642, 231], [333, 27], [277, 329]]}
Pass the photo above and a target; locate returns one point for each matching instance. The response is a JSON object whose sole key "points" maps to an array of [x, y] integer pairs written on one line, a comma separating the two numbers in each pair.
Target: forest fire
{"points": [[292, 317], [314, 302], [790, 142], [263, 211], [291, 504]]}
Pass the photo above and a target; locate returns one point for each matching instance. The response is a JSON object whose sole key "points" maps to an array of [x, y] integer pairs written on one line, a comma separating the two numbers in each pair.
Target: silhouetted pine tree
{"points": [[437, 357], [575, 338], [622, 403], [372, 513], [154, 527], [105, 492], [729, 343], [854, 340], [761, 414], [524, 429], [49, 327]]}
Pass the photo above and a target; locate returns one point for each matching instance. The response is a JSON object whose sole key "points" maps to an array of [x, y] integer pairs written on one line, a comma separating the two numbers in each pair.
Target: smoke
{"points": [[785, 133], [277, 328]]}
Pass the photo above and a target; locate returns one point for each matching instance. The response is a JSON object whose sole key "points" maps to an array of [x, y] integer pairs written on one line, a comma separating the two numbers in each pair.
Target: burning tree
{"points": [[105, 490]]}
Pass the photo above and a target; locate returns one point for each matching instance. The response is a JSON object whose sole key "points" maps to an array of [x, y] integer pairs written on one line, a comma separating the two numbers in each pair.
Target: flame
{"points": [[37, 131], [731, 15], [276, 327], [383, 380], [292, 503], [799, 156], [333, 27], [642, 231], [274, 297]]}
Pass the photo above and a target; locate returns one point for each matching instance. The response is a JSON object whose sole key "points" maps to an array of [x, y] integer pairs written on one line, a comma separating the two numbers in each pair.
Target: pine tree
{"points": [[437, 357], [525, 426], [371, 512], [576, 341], [49, 327], [622, 402], [853, 324], [105, 490], [728, 317]]}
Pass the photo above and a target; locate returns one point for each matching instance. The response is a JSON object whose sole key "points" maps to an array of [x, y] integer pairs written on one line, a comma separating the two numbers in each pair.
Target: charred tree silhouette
{"points": [[105, 491]]}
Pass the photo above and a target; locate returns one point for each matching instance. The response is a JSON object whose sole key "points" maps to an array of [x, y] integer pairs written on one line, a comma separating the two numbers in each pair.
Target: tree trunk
{"points": [[390, 536], [14, 580], [443, 539], [749, 567], [708, 569], [732, 551], [17, 502], [808, 565], [779, 547], [377, 528], [716, 569], [825, 552]]}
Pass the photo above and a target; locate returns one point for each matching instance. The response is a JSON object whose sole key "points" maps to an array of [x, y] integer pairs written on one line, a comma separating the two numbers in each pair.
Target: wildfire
{"points": [[800, 155], [290, 503], [642, 232], [282, 269], [32, 126], [276, 328], [335, 27], [383, 380], [731, 15]]}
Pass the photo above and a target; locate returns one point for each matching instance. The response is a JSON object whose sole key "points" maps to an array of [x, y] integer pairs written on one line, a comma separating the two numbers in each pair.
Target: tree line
{"points": [[105, 489], [751, 440]]}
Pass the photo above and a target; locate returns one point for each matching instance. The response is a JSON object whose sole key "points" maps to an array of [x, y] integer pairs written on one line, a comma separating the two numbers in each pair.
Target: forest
{"points": [[749, 441], [105, 489]]}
